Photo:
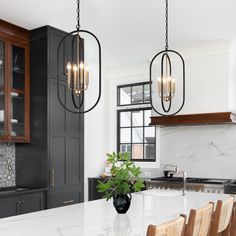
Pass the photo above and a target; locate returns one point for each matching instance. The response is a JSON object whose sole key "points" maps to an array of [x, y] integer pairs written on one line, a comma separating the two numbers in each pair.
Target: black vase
{"points": [[122, 203]]}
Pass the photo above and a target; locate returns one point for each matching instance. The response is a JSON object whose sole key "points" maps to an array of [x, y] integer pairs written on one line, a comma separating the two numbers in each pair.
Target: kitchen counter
{"points": [[10, 191], [99, 218]]}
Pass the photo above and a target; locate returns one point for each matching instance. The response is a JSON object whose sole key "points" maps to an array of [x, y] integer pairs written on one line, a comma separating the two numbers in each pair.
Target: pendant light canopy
{"points": [[71, 57], [166, 83]]}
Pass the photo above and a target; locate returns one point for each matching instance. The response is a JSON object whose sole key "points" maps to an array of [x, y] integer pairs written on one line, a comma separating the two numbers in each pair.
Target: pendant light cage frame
{"points": [[166, 58], [73, 37]]}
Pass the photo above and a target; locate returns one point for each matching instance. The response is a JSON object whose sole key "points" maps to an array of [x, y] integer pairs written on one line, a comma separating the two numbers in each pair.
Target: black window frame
{"points": [[131, 86], [131, 127]]}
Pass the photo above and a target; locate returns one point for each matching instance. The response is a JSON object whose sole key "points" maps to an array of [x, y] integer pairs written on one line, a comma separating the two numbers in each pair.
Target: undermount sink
{"points": [[164, 193]]}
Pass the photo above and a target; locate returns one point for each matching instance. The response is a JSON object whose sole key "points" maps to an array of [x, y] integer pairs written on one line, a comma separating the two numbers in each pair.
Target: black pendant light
{"points": [[71, 57], [166, 83]]}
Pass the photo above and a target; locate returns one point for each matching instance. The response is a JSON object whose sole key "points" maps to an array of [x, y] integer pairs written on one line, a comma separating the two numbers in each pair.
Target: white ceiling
{"points": [[131, 31]]}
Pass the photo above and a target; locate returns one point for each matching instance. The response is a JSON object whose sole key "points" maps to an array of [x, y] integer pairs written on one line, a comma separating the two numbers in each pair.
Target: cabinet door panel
{"points": [[55, 38], [73, 160], [2, 90], [73, 121], [57, 161], [32, 202], [66, 197], [9, 206], [57, 112]]}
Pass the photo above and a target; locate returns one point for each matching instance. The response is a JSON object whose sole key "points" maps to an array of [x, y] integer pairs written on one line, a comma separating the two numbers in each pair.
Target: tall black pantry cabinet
{"points": [[55, 155]]}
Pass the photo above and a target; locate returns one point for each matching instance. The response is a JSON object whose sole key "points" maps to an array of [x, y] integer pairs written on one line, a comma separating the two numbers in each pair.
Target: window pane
{"points": [[125, 148], [149, 151], [137, 151], [125, 135], [137, 94], [147, 114], [146, 93], [149, 133], [125, 96], [125, 119], [137, 135], [137, 118]]}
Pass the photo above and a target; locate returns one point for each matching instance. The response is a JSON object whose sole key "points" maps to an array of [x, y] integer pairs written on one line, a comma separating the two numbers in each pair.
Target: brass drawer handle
{"points": [[67, 202], [52, 177]]}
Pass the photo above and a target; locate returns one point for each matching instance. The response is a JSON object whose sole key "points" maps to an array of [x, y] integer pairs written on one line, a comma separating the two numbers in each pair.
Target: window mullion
{"points": [[131, 131]]}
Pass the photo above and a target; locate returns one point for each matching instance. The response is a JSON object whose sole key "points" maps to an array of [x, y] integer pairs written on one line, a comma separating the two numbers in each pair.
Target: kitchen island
{"points": [[99, 218]]}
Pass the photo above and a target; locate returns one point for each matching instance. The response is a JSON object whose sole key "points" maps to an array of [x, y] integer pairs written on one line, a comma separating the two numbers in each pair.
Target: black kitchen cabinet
{"points": [[32, 202], [55, 157], [21, 204], [9, 206], [92, 189]]}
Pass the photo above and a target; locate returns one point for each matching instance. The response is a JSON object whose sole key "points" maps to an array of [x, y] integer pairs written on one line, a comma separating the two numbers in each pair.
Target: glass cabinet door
{"points": [[2, 89], [17, 105]]}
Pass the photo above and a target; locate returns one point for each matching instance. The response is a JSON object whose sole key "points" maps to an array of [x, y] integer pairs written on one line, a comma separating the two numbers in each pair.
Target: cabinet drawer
{"points": [[64, 198]]}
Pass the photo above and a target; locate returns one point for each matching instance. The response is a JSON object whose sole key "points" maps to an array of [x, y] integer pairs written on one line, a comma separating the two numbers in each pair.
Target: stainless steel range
{"points": [[193, 184]]}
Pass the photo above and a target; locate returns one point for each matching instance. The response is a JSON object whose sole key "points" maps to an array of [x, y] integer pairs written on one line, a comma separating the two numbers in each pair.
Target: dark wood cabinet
{"points": [[57, 136], [14, 83], [21, 204]]}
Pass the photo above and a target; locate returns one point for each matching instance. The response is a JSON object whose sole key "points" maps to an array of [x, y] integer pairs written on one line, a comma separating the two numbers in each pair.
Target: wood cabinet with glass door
{"points": [[14, 83]]}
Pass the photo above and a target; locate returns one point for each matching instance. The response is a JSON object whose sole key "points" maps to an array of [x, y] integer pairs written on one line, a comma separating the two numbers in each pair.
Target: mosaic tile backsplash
{"points": [[7, 175]]}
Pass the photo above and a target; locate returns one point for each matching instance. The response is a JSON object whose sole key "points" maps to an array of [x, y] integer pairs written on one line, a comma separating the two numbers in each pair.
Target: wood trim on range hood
{"points": [[194, 119]]}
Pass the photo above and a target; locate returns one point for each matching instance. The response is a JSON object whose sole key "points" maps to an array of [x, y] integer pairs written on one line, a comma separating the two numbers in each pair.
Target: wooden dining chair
{"points": [[222, 217], [233, 222], [199, 221], [171, 228]]}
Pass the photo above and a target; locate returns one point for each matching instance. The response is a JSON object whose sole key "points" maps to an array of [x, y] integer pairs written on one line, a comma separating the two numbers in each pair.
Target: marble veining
{"points": [[99, 218], [207, 151], [7, 177]]}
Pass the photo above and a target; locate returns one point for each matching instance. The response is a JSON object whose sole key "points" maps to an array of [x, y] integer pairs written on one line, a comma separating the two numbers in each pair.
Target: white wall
{"points": [[94, 130], [232, 77]]}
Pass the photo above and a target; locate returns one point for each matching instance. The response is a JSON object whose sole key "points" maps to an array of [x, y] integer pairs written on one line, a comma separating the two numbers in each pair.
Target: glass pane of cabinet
{"points": [[17, 104], [2, 88]]}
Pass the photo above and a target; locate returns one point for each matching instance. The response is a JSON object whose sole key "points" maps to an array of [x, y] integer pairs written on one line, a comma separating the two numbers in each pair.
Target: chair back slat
{"points": [[233, 222], [200, 221], [172, 228], [222, 216]]}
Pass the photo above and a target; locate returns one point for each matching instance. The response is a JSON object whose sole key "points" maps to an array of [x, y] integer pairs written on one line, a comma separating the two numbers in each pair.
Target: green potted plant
{"points": [[124, 179]]}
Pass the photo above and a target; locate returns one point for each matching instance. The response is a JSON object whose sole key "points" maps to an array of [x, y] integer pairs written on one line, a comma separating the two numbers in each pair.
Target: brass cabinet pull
{"points": [[52, 177], [67, 202]]}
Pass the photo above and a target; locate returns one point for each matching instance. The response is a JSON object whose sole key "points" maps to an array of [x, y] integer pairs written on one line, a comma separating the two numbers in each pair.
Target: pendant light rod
{"points": [[78, 15], [167, 26]]}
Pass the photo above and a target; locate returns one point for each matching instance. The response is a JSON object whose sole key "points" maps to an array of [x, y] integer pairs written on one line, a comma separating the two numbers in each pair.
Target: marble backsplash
{"points": [[201, 151], [7, 175]]}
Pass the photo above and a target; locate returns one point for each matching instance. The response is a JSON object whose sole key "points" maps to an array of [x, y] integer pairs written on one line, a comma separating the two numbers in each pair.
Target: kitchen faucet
{"points": [[9, 167], [170, 173], [184, 182]]}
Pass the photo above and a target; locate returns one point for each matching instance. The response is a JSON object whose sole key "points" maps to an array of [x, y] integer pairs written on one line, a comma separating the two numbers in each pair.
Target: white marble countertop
{"points": [[99, 218]]}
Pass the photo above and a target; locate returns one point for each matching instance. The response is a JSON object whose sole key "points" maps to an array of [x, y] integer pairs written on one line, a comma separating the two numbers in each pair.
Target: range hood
{"points": [[195, 119]]}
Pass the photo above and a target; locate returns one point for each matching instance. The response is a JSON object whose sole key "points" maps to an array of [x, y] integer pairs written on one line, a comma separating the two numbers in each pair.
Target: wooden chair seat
{"points": [[222, 217], [171, 228], [200, 221]]}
